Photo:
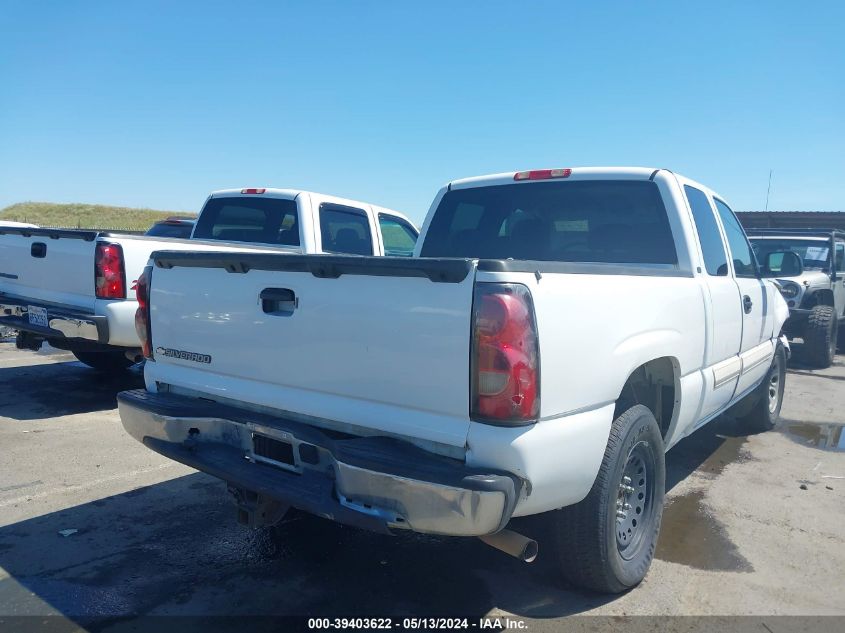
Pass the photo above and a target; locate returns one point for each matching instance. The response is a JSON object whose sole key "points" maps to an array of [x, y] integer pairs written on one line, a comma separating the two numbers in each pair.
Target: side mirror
{"points": [[783, 264]]}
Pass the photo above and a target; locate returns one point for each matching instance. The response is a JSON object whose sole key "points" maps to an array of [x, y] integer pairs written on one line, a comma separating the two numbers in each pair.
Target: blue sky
{"points": [[148, 104]]}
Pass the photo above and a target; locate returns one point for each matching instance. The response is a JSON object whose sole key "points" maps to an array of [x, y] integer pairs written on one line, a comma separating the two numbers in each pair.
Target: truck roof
{"points": [[627, 173], [25, 225], [291, 194], [270, 192], [580, 173]]}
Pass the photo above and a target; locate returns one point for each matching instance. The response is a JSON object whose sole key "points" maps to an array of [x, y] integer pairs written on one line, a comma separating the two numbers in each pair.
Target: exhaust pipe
{"points": [[509, 542], [135, 357]]}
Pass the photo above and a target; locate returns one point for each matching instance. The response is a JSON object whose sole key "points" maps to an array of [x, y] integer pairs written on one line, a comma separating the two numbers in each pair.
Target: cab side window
{"points": [[712, 247], [398, 236], [345, 230], [840, 257], [743, 257]]}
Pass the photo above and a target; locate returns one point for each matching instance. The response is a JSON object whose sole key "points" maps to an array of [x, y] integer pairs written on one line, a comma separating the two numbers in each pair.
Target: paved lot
{"points": [[754, 525]]}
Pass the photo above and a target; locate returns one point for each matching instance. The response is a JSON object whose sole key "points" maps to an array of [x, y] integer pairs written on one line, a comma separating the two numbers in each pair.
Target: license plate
{"points": [[277, 451], [37, 316]]}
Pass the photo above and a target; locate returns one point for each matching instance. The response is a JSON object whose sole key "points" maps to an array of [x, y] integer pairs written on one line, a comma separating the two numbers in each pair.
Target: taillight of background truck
{"points": [[109, 272], [142, 314], [505, 364]]}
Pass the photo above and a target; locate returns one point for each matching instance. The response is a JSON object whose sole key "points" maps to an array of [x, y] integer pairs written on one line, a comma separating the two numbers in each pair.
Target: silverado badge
{"points": [[183, 355]]}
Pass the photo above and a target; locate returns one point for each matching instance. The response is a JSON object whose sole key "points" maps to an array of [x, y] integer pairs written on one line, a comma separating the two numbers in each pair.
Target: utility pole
{"points": [[768, 190]]}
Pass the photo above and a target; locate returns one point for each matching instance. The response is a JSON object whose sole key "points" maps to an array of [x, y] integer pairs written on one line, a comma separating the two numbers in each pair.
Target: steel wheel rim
{"points": [[635, 494], [774, 388]]}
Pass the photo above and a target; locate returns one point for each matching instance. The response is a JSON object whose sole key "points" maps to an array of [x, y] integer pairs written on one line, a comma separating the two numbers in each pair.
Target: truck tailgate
{"points": [[51, 265], [378, 343]]}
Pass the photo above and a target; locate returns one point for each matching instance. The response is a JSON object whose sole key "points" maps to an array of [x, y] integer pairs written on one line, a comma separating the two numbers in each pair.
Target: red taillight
{"points": [[253, 190], [109, 272], [142, 314], [505, 359], [542, 174]]}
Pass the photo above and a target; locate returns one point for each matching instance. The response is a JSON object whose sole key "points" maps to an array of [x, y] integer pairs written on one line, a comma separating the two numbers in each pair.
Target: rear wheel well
{"points": [[652, 385]]}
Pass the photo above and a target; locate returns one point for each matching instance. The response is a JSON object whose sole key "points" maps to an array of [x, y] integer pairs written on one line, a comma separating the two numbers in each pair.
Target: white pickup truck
{"points": [[75, 288], [556, 332]]}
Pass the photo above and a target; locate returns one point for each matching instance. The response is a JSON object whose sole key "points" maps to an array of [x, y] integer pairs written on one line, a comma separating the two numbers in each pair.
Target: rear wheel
{"points": [[820, 336], [768, 397], [607, 541], [104, 361]]}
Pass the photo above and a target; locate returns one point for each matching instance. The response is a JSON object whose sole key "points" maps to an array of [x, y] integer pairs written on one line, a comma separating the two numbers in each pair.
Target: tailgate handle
{"points": [[281, 301], [38, 249]]}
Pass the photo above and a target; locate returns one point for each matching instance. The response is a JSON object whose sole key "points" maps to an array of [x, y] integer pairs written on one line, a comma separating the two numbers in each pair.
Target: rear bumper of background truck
{"points": [[62, 321], [376, 483]]}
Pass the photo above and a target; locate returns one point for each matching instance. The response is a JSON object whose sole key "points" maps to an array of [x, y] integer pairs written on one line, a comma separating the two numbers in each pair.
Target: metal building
{"points": [[792, 219]]}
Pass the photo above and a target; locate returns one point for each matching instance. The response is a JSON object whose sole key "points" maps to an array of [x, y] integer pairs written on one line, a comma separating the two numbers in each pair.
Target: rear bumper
{"points": [[62, 321], [376, 483]]}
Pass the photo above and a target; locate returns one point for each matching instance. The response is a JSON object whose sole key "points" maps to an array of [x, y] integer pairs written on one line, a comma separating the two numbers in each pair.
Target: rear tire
{"points": [[820, 336], [606, 542], [768, 397], [104, 361]]}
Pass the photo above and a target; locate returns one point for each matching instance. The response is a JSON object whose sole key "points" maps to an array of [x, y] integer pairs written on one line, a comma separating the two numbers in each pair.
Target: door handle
{"points": [[38, 249], [747, 304], [282, 301]]}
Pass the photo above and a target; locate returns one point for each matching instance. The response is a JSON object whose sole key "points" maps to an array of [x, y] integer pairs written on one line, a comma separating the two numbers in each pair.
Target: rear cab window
{"points": [[180, 230], [613, 221], [398, 236], [249, 219], [345, 230]]}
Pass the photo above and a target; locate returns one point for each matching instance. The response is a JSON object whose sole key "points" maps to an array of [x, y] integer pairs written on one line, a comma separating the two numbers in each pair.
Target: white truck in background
{"points": [[555, 333], [19, 225], [75, 288]]}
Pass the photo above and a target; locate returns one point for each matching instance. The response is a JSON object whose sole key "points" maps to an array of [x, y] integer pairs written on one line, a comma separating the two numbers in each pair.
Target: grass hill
{"points": [[86, 216]]}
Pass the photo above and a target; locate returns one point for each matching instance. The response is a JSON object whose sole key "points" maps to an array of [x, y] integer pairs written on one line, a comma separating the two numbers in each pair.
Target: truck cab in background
{"points": [[305, 221], [175, 227], [75, 288], [814, 291]]}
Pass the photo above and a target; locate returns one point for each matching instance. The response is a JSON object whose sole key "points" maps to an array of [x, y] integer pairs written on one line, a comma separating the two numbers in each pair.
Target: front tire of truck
{"points": [[104, 361], [820, 336], [768, 397], [607, 541]]}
